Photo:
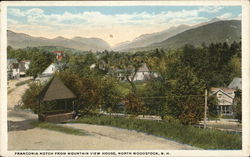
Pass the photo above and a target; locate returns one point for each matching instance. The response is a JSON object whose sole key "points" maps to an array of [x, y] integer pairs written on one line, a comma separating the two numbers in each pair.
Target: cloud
{"points": [[19, 13], [210, 9], [226, 16], [16, 12], [37, 16]]}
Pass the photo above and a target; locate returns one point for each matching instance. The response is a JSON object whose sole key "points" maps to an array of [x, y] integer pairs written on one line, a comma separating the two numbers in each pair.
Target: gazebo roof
{"points": [[56, 90]]}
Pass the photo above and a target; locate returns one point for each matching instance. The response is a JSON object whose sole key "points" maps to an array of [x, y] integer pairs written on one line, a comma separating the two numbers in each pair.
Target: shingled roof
{"points": [[56, 90]]}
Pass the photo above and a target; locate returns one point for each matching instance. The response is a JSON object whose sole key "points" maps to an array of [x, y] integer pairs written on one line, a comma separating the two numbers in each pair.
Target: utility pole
{"points": [[205, 112]]}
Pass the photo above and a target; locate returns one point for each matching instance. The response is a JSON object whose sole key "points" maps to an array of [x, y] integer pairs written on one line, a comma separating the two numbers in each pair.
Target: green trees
{"points": [[129, 66], [238, 105], [185, 102], [87, 91], [154, 97], [30, 97], [110, 94], [216, 64], [134, 105], [39, 62], [212, 106], [80, 64]]}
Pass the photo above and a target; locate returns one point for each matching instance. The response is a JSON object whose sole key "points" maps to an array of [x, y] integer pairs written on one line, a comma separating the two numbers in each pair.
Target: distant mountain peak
{"points": [[215, 19], [59, 37]]}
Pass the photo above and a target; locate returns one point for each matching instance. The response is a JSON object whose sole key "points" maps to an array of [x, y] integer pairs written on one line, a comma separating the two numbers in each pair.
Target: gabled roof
{"points": [[143, 68], [11, 61], [56, 90], [236, 83], [225, 91]]}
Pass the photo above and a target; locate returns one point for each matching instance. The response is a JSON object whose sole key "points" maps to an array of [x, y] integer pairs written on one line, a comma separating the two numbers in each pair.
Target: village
{"points": [[54, 89], [225, 95]]}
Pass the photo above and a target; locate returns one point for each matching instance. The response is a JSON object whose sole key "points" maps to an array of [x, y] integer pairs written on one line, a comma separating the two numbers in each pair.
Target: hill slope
{"points": [[145, 40], [221, 31], [21, 40], [148, 39]]}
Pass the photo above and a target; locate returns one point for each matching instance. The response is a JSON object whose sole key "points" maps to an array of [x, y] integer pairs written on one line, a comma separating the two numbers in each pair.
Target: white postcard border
{"points": [[245, 70]]}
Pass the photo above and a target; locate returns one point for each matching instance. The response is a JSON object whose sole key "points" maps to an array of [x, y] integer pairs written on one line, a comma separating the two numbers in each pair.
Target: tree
{"points": [[129, 66], [39, 62], [160, 62], [212, 106], [134, 105], [238, 105], [87, 90], [154, 100], [30, 97], [110, 94], [186, 99], [80, 64]]}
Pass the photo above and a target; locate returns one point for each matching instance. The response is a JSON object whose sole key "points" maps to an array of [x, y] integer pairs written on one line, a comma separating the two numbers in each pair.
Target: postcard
{"points": [[125, 78]]}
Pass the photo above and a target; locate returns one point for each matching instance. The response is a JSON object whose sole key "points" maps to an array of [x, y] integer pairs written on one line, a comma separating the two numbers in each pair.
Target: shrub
{"points": [[134, 105], [30, 97]]}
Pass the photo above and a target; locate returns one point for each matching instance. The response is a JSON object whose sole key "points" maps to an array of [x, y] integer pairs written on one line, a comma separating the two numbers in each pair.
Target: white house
{"points": [[144, 73], [225, 98], [48, 73]]}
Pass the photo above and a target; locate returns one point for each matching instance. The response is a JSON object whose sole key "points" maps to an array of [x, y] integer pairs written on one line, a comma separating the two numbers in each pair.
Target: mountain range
{"points": [[21, 40], [215, 30], [220, 31], [148, 39]]}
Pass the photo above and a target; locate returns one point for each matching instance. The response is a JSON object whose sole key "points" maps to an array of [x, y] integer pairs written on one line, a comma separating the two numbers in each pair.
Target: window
{"points": [[219, 95]]}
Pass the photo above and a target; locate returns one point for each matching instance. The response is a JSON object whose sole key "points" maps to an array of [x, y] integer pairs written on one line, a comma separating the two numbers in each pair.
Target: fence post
{"points": [[205, 113]]}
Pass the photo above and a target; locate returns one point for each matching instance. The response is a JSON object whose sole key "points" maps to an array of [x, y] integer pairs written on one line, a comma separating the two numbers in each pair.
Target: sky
{"points": [[114, 24]]}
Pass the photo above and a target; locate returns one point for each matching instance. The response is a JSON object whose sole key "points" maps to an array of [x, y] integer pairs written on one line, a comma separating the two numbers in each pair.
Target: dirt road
{"points": [[23, 136], [17, 91]]}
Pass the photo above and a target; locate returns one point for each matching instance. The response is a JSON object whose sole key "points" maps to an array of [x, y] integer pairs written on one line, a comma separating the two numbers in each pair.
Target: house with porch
{"points": [[225, 98]]}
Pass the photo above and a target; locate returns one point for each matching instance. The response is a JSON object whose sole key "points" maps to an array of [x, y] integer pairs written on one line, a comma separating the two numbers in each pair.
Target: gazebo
{"points": [[56, 102]]}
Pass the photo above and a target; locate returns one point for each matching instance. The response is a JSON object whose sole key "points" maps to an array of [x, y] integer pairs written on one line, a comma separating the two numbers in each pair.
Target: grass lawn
{"points": [[126, 88], [202, 138], [54, 127]]}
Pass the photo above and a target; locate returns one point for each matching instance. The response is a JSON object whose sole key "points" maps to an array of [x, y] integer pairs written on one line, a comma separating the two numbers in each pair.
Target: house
{"points": [[24, 66], [144, 73], [48, 72], [13, 71], [225, 98], [236, 84]]}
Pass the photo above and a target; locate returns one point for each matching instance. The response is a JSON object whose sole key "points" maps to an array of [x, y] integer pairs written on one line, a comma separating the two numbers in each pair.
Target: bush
{"points": [[30, 97], [134, 105]]}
